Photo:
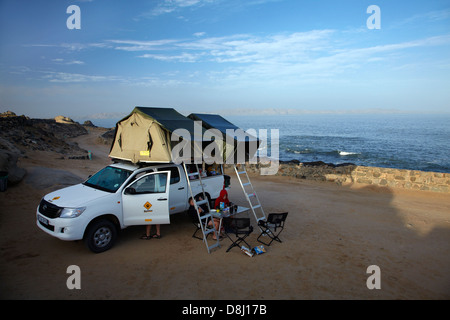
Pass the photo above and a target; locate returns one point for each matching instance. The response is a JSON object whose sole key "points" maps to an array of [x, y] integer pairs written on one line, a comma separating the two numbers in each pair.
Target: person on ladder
{"points": [[191, 212]]}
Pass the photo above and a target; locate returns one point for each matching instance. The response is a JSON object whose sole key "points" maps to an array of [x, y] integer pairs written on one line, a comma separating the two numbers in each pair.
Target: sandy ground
{"points": [[332, 235]]}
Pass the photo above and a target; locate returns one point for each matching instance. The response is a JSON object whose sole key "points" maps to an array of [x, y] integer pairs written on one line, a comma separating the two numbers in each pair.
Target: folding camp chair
{"points": [[196, 222], [272, 227], [197, 226], [240, 228]]}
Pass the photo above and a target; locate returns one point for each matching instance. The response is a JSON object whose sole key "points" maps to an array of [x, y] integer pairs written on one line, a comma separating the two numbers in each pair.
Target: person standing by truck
{"points": [[148, 229]]}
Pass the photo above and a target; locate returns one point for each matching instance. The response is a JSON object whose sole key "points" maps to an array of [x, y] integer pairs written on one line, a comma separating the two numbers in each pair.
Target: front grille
{"points": [[49, 210]]}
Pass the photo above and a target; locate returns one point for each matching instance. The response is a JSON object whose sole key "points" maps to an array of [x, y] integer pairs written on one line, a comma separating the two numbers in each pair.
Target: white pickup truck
{"points": [[118, 196]]}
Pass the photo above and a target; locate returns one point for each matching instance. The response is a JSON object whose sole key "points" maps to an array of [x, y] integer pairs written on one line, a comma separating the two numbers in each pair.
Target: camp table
{"points": [[227, 214]]}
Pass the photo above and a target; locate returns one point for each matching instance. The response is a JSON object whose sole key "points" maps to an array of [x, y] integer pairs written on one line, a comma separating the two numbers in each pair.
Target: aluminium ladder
{"points": [[205, 219], [251, 196]]}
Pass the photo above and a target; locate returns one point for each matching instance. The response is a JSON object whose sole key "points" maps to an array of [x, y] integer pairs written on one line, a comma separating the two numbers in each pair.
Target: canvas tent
{"points": [[150, 134], [238, 145], [157, 134]]}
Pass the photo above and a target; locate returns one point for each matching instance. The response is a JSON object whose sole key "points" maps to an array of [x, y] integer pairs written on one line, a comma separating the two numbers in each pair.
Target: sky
{"points": [[224, 56]]}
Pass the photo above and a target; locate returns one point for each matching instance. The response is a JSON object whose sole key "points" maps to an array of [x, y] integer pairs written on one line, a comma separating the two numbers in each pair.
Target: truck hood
{"points": [[75, 196]]}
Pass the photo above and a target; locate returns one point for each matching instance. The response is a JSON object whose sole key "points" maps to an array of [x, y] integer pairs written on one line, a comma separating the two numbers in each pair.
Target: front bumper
{"points": [[62, 228]]}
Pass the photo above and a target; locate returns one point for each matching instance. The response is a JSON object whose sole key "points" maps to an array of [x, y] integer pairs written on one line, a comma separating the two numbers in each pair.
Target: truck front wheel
{"points": [[100, 236]]}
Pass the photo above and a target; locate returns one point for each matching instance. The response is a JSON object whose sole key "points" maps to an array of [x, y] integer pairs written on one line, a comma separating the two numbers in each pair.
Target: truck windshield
{"points": [[108, 179]]}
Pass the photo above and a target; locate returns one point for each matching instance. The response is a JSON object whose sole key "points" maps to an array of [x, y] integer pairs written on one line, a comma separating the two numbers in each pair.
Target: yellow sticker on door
{"points": [[147, 206]]}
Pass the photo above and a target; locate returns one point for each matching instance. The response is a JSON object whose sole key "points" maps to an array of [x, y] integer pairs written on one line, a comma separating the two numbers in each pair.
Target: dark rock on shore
{"points": [[317, 163], [107, 137], [88, 123], [8, 164], [21, 134]]}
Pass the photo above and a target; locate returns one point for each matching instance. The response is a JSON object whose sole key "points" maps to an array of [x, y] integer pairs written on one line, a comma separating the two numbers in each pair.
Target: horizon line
{"points": [[252, 112]]}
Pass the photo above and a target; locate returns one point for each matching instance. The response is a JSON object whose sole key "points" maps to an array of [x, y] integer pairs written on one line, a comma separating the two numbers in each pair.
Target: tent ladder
{"points": [[250, 194], [207, 216]]}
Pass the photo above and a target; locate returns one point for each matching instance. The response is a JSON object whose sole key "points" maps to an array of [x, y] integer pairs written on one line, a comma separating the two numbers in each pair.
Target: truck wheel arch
{"points": [[107, 222], [110, 217]]}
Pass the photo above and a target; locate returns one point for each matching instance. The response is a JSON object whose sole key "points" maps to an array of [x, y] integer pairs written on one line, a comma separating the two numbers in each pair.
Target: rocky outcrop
{"points": [[88, 123], [20, 134], [8, 166], [65, 120], [7, 114], [107, 137]]}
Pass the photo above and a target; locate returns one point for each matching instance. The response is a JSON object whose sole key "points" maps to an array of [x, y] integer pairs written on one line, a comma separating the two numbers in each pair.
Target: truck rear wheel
{"points": [[100, 236]]}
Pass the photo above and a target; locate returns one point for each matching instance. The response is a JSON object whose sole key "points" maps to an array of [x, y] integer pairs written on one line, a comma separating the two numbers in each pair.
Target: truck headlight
{"points": [[71, 212]]}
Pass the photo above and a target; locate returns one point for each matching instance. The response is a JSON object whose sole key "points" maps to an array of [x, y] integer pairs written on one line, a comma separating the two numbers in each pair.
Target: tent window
{"points": [[120, 141], [150, 141]]}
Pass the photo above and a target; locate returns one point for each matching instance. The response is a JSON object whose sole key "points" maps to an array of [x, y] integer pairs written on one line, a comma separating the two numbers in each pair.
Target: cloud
{"points": [[65, 77], [282, 58], [136, 45], [431, 16], [199, 34], [251, 59], [183, 57], [169, 6], [65, 62], [164, 80], [238, 48], [71, 46]]}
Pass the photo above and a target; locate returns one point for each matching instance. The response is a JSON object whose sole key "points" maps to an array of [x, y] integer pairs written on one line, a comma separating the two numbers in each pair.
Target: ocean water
{"points": [[402, 141]]}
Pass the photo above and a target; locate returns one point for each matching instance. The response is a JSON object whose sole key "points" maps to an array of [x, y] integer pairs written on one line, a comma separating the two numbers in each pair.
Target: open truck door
{"points": [[146, 200]]}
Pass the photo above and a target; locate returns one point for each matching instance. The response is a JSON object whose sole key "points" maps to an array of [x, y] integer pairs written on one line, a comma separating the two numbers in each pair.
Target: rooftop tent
{"points": [[145, 135], [241, 140]]}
